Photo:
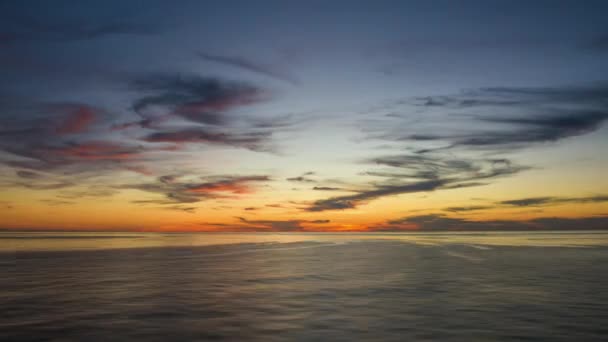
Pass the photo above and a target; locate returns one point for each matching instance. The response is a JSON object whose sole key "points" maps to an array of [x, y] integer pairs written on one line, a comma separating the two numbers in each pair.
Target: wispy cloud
{"points": [[422, 173], [179, 190], [66, 31], [194, 98], [256, 67], [539, 201], [327, 188], [255, 141], [499, 118], [276, 225], [532, 202], [468, 208], [438, 222]]}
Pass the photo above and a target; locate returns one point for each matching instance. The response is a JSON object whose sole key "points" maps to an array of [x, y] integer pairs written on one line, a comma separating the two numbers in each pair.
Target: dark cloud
{"points": [[190, 210], [56, 202], [274, 225], [503, 118], [255, 141], [58, 137], [532, 202], [28, 174], [45, 185], [468, 208], [50, 136], [38, 31], [78, 120], [473, 123], [88, 191], [303, 178], [242, 63], [352, 201], [191, 97], [540, 201], [327, 188], [437, 222], [181, 108], [524, 202], [181, 190], [422, 173]]}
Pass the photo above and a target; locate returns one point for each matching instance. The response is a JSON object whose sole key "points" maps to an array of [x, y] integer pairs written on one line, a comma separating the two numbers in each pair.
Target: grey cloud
{"points": [[532, 202], [539, 201], [327, 188], [194, 98], [30, 30], [468, 208], [243, 63], [274, 225], [438, 222], [422, 173], [502, 118], [179, 190]]}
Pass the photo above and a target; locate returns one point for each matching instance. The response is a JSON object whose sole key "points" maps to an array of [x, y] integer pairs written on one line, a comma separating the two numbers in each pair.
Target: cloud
{"points": [[304, 178], [421, 173], [468, 208], [37, 31], [473, 124], [352, 201], [190, 109], [327, 188], [190, 210], [74, 137], [45, 185], [28, 174], [191, 97], [255, 141], [532, 202], [500, 118], [78, 120], [94, 150], [242, 63], [179, 190], [274, 225], [300, 179], [48, 136], [438, 222], [89, 191], [56, 202], [540, 201]]}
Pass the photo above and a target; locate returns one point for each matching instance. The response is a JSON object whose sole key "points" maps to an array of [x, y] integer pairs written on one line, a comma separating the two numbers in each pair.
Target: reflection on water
{"points": [[304, 287], [54, 241]]}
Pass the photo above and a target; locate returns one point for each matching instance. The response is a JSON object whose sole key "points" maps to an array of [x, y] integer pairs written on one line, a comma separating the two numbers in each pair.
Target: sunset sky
{"points": [[303, 116]]}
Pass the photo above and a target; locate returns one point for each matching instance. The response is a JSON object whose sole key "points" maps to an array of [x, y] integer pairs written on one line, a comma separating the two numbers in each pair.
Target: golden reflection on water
{"points": [[66, 241]]}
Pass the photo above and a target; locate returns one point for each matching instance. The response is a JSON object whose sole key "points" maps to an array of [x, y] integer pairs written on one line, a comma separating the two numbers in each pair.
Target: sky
{"points": [[303, 116]]}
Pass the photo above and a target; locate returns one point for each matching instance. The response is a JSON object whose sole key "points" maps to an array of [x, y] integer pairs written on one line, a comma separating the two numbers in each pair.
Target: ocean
{"points": [[497, 286]]}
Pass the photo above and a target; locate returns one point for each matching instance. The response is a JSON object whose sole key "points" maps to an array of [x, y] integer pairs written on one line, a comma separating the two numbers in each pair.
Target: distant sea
{"points": [[498, 286]]}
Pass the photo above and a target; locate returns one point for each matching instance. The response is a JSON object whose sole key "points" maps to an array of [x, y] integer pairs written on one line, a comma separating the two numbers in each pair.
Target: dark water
{"points": [[321, 289]]}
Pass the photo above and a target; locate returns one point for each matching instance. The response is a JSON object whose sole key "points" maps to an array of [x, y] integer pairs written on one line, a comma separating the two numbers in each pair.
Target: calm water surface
{"points": [[545, 286]]}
